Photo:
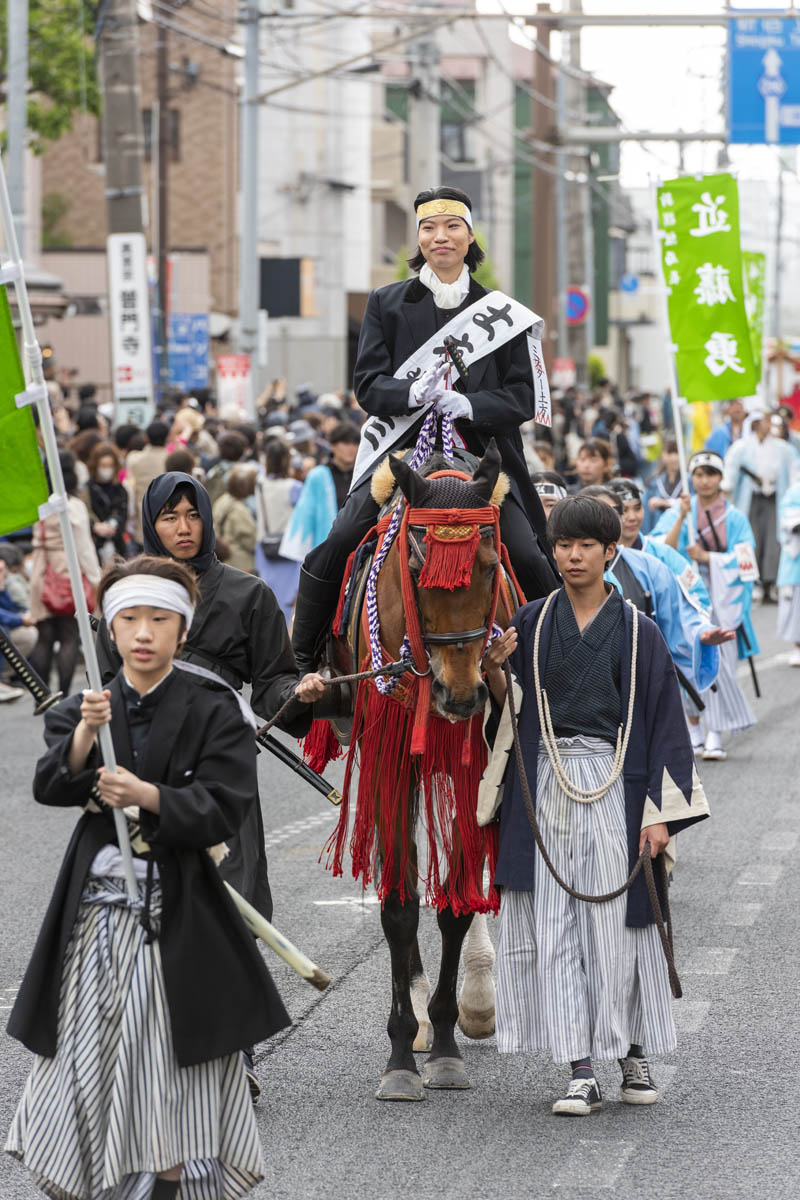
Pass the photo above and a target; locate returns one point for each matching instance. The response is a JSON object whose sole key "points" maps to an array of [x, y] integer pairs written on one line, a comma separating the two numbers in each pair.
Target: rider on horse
{"points": [[400, 375]]}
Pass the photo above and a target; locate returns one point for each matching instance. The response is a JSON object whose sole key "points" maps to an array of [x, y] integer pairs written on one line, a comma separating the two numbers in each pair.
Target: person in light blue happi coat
{"points": [[649, 584], [633, 513], [722, 545], [789, 572]]}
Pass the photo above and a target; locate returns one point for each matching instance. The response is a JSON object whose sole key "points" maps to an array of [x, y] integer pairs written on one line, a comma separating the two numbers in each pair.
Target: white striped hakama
{"points": [[789, 614], [113, 1108], [727, 709], [572, 977]]}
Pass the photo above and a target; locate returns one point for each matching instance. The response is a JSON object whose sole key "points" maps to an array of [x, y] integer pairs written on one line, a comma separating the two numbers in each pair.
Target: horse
{"points": [[440, 593]]}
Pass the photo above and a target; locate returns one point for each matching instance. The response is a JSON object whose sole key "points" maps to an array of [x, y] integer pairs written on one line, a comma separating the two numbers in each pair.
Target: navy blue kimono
{"points": [[659, 763]]}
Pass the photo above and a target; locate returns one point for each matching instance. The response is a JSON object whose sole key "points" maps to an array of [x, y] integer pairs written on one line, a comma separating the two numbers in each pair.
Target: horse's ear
{"points": [[488, 469], [413, 486]]}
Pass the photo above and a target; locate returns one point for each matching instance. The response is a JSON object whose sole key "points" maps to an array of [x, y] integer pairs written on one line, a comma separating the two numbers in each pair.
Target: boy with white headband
{"points": [[138, 1015], [411, 318], [722, 550]]}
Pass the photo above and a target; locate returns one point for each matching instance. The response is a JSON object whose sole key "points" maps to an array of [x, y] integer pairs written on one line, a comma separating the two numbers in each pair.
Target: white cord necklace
{"points": [[570, 789]]}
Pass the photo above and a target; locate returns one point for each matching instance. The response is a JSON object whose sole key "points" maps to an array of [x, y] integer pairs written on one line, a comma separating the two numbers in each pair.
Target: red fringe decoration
{"points": [[447, 784], [449, 561], [321, 746]]}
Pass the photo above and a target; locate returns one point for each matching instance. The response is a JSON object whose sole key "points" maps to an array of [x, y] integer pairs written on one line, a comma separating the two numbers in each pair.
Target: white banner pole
{"points": [[678, 401], [36, 393]]}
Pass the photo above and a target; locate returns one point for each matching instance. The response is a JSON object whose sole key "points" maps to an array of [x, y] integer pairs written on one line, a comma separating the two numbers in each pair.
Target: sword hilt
{"points": [[456, 358], [34, 683]]}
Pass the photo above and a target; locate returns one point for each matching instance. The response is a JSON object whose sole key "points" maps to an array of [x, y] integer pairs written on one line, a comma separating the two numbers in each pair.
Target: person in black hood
{"points": [[238, 632]]}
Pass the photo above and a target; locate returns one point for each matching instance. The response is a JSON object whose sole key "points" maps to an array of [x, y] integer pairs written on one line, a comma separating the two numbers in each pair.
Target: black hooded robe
{"points": [[238, 632]]}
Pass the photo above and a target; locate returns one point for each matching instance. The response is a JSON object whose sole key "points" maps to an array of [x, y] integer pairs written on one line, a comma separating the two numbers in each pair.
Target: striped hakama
{"points": [[573, 978], [727, 709], [789, 614], [113, 1107]]}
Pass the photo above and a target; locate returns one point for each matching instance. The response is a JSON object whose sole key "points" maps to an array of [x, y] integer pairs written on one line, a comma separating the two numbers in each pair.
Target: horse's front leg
{"points": [[445, 1066], [401, 1080]]}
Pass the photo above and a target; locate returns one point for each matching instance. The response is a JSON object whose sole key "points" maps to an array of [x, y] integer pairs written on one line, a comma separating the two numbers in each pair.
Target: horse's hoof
{"points": [[400, 1085], [476, 1025], [424, 1039], [445, 1073]]}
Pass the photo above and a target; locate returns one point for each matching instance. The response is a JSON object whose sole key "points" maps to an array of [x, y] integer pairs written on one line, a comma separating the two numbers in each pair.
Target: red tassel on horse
{"points": [[449, 559], [321, 746]]}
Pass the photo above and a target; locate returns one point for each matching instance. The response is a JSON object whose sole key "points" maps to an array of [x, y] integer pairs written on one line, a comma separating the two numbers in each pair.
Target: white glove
{"points": [[454, 404], [429, 385]]}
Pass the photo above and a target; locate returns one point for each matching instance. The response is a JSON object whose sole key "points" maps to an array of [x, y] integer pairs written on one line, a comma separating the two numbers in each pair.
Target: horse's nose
{"points": [[460, 708]]}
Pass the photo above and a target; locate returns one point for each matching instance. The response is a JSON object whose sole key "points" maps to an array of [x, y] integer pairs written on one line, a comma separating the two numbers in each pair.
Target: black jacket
{"points": [[400, 318], [202, 757]]}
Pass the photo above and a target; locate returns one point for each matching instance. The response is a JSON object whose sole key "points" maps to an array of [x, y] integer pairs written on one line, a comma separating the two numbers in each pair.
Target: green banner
{"points": [[698, 224], [755, 277], [23, 486]]}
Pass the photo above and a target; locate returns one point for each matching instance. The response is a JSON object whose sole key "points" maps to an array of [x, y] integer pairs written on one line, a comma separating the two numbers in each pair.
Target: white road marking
{"points": [[294, 828], [690, 1015], [764, 664], [742, 914], [760, 875], [779, 842], [349, 901], [594, 1164], [709, 960]]}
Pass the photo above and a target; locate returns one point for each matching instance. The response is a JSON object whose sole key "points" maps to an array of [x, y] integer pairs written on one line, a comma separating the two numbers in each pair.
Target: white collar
{"points": [[445, 295]]}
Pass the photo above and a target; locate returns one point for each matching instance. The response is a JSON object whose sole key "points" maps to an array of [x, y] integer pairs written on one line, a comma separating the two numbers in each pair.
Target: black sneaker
{"points": [[250, 1072], [638, 1086], [583, 1097]]}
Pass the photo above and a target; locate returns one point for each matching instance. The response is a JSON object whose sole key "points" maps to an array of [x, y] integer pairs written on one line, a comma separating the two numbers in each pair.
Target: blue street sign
{"points": [[629, 284], [764, 80], [188, 350], [577, 306]]}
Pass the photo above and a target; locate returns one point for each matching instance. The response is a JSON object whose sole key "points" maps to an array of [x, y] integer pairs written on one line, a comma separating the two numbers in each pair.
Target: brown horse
{"points": [[440, 588]]}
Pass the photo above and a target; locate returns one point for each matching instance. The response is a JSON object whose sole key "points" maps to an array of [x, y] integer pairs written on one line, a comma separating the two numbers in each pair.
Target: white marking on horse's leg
{"points": [[476, 1002], [420, 995]]}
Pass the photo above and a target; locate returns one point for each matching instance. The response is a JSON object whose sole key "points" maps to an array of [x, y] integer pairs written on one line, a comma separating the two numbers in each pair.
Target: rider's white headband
{"points": [[151, 590], [443, 208], [706, 458], [550, 490]]}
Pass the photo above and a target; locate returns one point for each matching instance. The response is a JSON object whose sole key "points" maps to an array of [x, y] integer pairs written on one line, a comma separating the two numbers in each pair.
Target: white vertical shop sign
{"points": [[129, 317], [234, 383]]}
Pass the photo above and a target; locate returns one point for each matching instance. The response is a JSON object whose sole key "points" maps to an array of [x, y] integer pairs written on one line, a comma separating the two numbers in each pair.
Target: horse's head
{"points": [[453, 562]]}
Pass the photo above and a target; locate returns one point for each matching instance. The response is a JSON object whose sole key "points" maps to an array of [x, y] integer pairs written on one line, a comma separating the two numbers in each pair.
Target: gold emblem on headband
{"points": [[438, 208]]}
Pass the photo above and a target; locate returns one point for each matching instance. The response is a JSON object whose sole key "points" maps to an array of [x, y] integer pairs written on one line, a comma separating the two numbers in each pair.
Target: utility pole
{"points": [[17, 119], [160, 134], [424, 122], [248, 176], [123, 138], [543, 194]]}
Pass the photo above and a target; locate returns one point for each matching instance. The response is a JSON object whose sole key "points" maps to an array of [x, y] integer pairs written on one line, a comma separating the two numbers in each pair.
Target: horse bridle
{"points": [[458, 638]]}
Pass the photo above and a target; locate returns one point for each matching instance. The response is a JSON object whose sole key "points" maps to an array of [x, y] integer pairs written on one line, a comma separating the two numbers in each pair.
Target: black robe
{"points": [[399, 319], [201, 755], [238, 632]]}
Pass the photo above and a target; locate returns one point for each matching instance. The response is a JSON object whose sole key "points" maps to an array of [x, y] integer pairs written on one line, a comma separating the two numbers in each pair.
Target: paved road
{"points": [[727, 1127]]}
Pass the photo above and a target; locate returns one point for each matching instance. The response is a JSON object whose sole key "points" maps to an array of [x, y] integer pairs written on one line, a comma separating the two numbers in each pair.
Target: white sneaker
{"points": [[794, 657], [713, 748], [582, 1098], [638, 1085], [8, 694]]}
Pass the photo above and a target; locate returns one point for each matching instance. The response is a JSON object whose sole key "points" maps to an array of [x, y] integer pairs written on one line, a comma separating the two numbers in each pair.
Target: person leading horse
{"points": [[401, 373]]}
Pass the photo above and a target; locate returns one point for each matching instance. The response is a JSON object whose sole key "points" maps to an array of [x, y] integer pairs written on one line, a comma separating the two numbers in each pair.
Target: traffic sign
{"points": [[629, 284], [577, 306], [764, 80], [188, 350]]}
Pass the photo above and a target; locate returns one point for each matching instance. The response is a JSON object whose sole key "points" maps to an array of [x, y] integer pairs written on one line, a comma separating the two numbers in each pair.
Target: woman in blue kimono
{"points": [[724, 551], [789, 572], [586, 981], [633, 515], [644, 580]]}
